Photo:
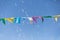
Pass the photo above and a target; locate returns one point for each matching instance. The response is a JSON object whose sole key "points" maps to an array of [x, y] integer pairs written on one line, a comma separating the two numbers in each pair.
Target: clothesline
{"points": [[31, 19]]}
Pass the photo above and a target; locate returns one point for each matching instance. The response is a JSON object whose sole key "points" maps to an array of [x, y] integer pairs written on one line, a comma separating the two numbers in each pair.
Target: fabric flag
{"points": [[47, 16], [17, 20], [3, 20], [35, 18], [10, 19], [56, 18], [41, 18], [30, 19]]}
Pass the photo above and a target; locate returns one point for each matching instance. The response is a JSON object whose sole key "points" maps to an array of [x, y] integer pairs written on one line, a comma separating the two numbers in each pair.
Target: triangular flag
{"points": [[35, 18], [3, 20], [47, 16], [30, 19], [56, 19], [41, 18], [17, 20], [10, 19]]}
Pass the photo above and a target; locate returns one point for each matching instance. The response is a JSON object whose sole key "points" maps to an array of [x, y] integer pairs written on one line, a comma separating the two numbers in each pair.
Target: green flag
{"points": [[47, 16], [3, 20]]}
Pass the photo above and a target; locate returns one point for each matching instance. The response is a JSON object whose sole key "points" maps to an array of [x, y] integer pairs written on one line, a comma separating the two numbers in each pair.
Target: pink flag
{"points": [[35, 18]]}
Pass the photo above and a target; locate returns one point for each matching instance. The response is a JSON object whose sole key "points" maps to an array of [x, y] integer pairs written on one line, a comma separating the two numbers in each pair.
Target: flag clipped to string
{"points": [[56, 18], [41, 18], [3, 20], [35, 18], [47, 16], [17, 20], [30, 19], [10, 19]]}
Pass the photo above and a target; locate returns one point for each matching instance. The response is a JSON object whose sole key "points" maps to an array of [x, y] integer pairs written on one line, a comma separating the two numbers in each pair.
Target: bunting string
{"points": [[31, 19]]}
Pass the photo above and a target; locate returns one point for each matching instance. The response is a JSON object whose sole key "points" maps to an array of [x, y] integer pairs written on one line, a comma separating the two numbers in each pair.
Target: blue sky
{"points": [[48, 30]]}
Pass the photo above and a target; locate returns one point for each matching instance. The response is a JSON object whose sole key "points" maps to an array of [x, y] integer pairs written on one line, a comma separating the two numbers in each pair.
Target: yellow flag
{"points": [[10, 19], [56, 18]]}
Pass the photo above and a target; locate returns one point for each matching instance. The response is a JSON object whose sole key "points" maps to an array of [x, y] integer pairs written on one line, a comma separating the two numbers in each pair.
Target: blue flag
{"points": [[17, 20]]}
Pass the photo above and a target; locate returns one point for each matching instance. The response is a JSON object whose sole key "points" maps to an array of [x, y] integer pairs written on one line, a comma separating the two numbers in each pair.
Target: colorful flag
{"points": [[41, 18], [3, 20], [56, 18], [17, 20], [47, 16], [35, 18], [10, 19], [30, 19]]}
